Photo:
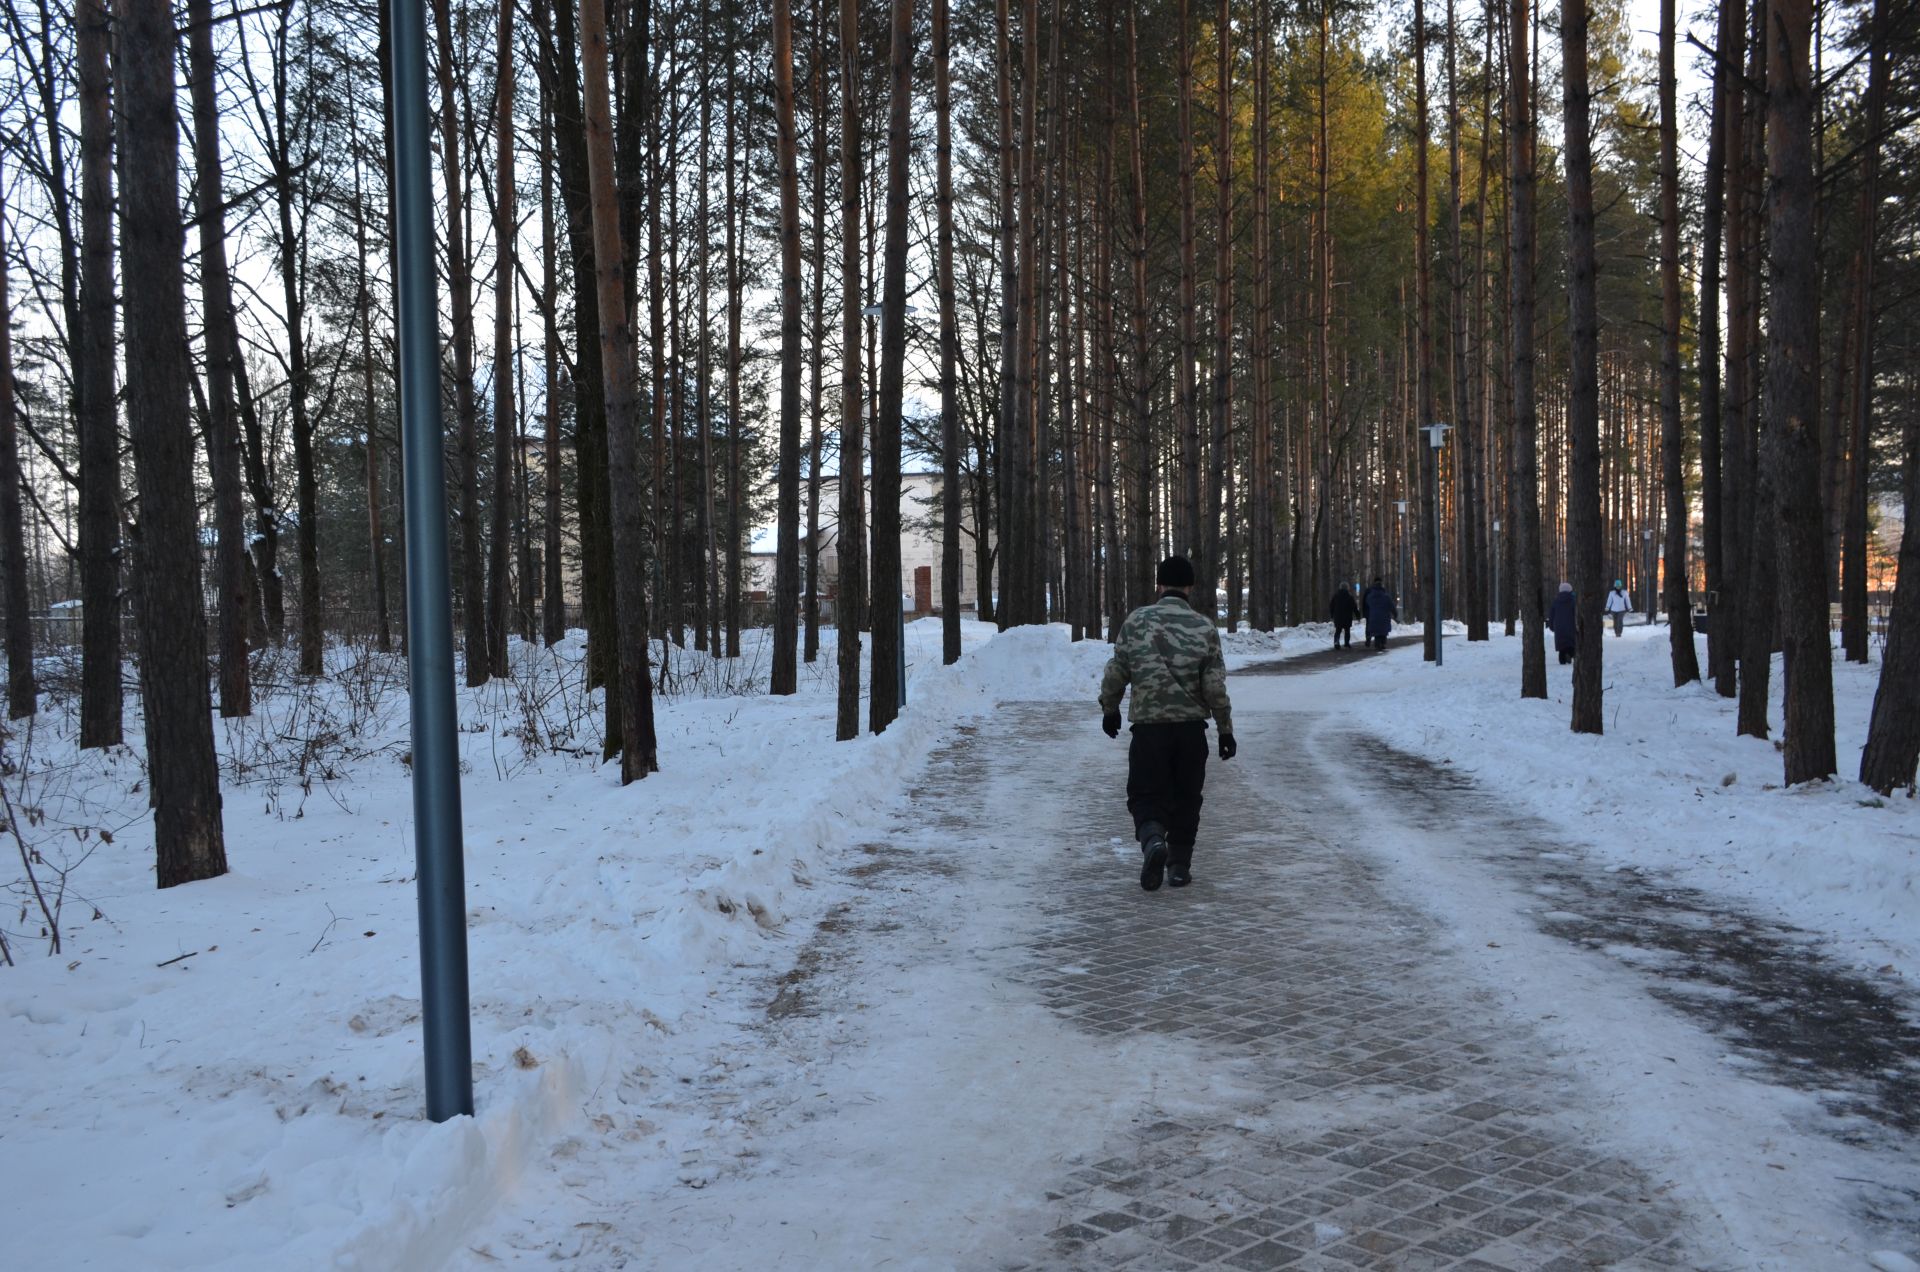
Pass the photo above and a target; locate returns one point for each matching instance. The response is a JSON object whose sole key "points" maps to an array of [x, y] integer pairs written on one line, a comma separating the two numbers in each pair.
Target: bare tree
{"points": [[1686, 663], [888, 690], [1793, 396], [505, 424], [1522, 186], [23, 696], [850, 604], [100, 492], [1583, 404], [949, 348], [786, 570], [223, 434], [184, 782], [638, 754]]}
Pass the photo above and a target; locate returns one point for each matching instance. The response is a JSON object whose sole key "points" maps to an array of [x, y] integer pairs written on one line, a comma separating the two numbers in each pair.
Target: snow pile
{"points": [[229, 1068]]}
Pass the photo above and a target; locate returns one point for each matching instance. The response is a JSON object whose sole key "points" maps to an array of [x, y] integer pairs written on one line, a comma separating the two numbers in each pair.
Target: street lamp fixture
{"points": [[1436, 438]]}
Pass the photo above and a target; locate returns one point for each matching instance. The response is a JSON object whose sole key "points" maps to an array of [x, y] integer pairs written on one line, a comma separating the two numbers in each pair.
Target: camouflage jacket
{"points": [[1171, 657]]}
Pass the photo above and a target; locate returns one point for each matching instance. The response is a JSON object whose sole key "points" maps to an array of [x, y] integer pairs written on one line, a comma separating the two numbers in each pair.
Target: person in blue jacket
{"points": [[1378, 606], [1565, 624]]}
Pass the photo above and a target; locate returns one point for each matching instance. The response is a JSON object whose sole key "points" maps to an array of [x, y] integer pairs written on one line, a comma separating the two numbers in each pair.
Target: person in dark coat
{"points": [[1378, 606], [1565, 624], [1343, 608]]}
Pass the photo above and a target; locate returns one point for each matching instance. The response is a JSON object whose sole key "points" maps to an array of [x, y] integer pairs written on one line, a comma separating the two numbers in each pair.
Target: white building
{"points": [[920, 572]]}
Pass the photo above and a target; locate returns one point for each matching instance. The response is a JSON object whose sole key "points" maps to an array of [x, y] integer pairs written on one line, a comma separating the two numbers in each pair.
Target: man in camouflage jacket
{"points": [[1171, 656]]}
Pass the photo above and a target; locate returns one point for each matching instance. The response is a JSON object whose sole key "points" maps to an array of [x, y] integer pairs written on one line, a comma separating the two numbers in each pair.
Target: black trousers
{"points": [[1342, 631], [1166, 768]]}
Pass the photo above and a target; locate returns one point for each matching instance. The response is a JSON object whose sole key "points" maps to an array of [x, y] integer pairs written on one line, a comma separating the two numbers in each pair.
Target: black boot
{"points": [[1153, 844]]}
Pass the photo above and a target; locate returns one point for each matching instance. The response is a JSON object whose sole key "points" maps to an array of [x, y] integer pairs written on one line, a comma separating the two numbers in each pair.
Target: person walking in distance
{"points": [[1342, 610], [1378, 606], [1618, 603], [1565, 623], [1171, 657]]}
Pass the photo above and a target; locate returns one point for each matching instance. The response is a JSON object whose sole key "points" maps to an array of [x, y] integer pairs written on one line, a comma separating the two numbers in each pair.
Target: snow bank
{"points": [[229, 1072]]}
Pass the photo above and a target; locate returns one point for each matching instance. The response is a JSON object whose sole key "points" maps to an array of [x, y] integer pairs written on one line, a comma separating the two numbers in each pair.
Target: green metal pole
{"points": [[440, 870]]}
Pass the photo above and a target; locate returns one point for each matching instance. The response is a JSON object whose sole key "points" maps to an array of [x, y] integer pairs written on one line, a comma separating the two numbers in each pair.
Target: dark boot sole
{"points": [[1154, 868]]}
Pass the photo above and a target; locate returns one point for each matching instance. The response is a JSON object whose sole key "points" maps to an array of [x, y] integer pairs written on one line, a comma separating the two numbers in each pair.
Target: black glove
{"points": [[1228, 747], [1111, 723]]}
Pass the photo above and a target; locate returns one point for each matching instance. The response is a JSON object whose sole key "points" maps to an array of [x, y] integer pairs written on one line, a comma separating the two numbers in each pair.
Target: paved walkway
{"points": [[1282, 1066]]}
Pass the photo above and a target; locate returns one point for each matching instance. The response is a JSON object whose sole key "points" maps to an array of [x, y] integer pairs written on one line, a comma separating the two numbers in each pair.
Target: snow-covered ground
{"points": [[213, 1072], [226, 1075], [1671, 788]]}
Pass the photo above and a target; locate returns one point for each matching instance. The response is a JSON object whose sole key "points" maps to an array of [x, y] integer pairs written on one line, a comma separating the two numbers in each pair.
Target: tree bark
{"points": [[505, 420], [888, 689], [1893, 733], [817, 398], [1520, 286], [949, 347], [553, 608], [1188, 521], [23, 694], [234, 617], [638, 755], [1735, 491], [1854, 631], [1793, 395], [1209, 572], [473, 586], [786, 570], [1686, 663], [183, 777], [850, 604], [1720, 650], [1583, 401], [96, 416]]}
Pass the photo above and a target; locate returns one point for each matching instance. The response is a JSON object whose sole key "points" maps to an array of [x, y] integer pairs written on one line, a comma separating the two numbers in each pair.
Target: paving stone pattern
{"points": [[1400, 1128]]}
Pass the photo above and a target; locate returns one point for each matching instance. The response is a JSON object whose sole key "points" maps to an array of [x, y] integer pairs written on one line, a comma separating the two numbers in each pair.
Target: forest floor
{"points": [[1452, 988]]}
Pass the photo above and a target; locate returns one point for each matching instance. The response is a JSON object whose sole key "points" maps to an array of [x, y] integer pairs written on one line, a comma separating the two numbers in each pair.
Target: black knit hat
{"points": [[1175, 571]]}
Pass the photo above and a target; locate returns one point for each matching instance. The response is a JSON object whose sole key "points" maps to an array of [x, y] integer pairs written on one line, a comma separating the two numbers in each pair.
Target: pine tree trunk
{"points": [[1007, 426], [23, 694], [738, 205], [473, 586], [817, 399], [950, 565], [183, 777], [1793, 395], [97, 422], [234, 615], [1205, 599], [638, 755], [1854, 631], [1712, 517], [786, 569], [1893, 733], [850, 602], [553, 609], [505, 421], [1140, 536], [1261, 575], [1583, 388], [1531, 599], [369, 419], [1187, 522], [1686, 663], [888, 690], [1423, 513], [1735, 491]]}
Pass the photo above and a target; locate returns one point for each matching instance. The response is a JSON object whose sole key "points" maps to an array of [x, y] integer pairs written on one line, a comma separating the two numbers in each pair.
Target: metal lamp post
{"points": [[1497, 616], [440, 870], [1400, 589], [1436, 438], [1653, 578]]}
